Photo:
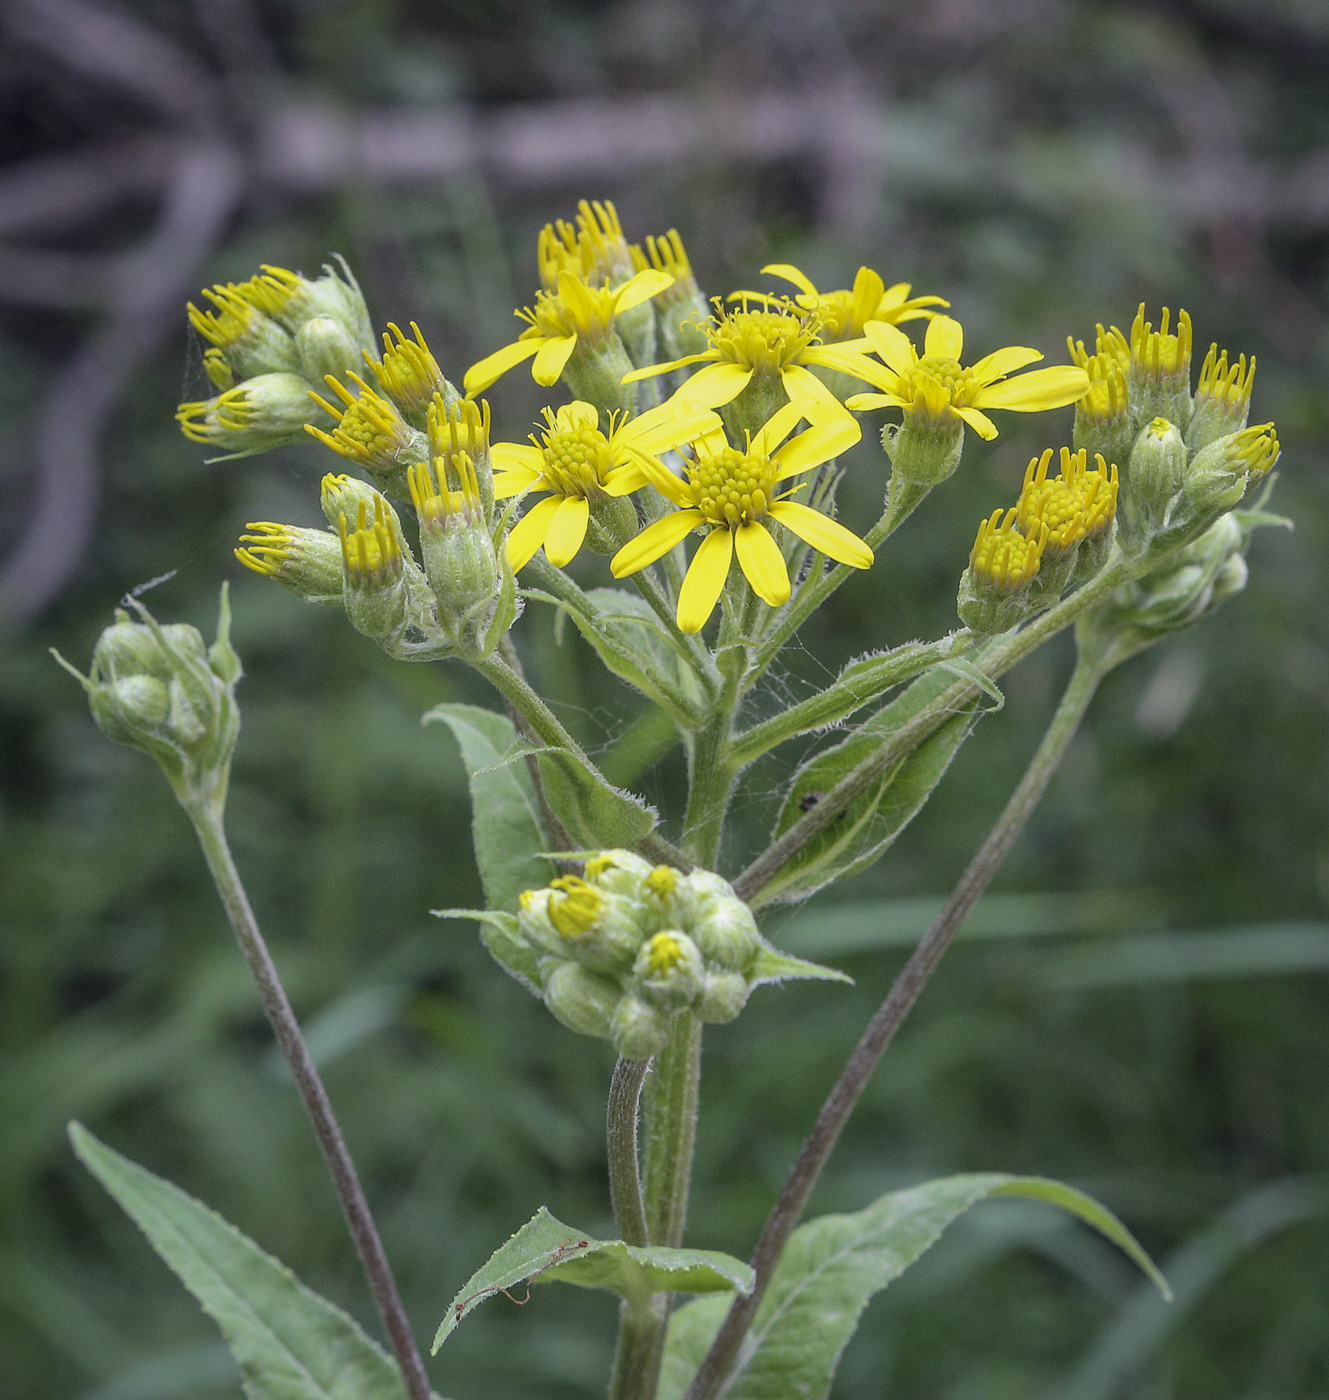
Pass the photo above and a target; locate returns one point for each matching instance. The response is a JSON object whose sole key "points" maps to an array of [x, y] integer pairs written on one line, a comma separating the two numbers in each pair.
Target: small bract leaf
{"points": [[498, 932], [545, 1250], [596, 814]]}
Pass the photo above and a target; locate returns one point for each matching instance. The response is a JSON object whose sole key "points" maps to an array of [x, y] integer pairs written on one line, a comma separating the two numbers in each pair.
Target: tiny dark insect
{"points": [[808, 801]]}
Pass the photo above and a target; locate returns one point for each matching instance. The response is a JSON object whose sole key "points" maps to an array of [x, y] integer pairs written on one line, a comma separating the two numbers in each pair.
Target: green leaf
{"points": [[545, 1250], [290, 1343], [596, 814], [772, 965], [829, 1272], [506, 825], [872, 822], [498, 932]]}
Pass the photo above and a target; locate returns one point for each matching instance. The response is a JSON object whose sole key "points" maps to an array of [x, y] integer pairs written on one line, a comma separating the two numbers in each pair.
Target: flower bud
{"points": [[637, 1029], [994, 589], [668, 970], [1104, 424], [308, 562], [723, 996], [1076, 507], [681, 311], [459, 428], [925, 447], [325, 349], [372, 434], [293, 300], [245, 342], [722, 925], [161, 690], [409, 375], [1217, 477], [1153, 479], [583, 1001], [1159, 377], [1222, 399], [375, 556], [261, 413], [573, 918], [621, 872]]}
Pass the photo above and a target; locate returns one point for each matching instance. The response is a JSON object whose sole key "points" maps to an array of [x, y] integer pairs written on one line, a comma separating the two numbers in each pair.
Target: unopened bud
{"points": [[668, 970], [1216, 479], [681, 312], [293, 300], [583, 1001], [308, 562], [375, 558], [1153, 480], [245, 341], [994, 589], [261, 413], [325, 349], [638, 1029], [723, 996]]}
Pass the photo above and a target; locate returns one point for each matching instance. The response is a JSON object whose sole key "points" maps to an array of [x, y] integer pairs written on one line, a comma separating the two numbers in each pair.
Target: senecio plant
{"points": [[697, 448]]}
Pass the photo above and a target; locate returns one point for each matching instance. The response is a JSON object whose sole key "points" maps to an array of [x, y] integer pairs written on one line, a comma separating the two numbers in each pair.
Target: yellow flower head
{"points": [[935, 390], [436, 504], [1257, 448], [1106, 402], [261, 413], [575, 314], [459, 429], [1110, 346], [731, 493], [1002, 559], [575, 907], [408, 373], [371, 552], [1224, 388], [663, 953], [662, 881], [666, 254], [233, 319], [579, 465], [844, 314], [1157, 355], [594, 250], [369, 431], [776, 340], [1077, 505], [307, 561]]}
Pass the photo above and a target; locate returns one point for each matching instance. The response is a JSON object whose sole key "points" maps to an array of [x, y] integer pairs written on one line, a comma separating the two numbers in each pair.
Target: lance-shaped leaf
{"points": [[290, 1344], [596, 814], [506, 826], [829, 1272], [545, 1250], [860, 836], [498, 932]]}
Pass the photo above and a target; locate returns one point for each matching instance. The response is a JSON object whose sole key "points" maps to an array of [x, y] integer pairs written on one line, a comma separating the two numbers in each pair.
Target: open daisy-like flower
{"points": [[844, 314], [579, 465], [577, 313], [934, 389], [732, 492], [778, 341]]}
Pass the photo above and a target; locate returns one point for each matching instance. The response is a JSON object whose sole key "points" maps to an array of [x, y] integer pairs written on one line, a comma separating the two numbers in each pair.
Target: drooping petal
{"points": [[825, 535], [577, 414], [705, 580], [778, 427], [861, 402], [640, 288], [819, 444], [528, 534], [663, 427], [944, 339], [868, 291], [551, 358], [804, 388], [659, 475], [979, 422], [1053, 387], [760, 559], [517, 456], [1003, 362], [663, 368], [654, 542], [715, 385], [566, 530], [514, 483], [484, 372], [624, 480], [893, 345], [790, 273]]}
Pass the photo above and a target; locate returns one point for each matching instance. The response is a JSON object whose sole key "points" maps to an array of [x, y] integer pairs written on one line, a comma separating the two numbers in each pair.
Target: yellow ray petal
{"points": [[893, 345], [659, 475], [624, 480], [577, 414], [528, 534], [1053, 387], [678, 420], [944, 338], [715, 385], [484, 372], [819, 444], [803, 387], [665, 366], [653, 542], [1003, 362], [641, 288], [551, 358], [517, 456], [825, 535], [514, 483], [760, 559], [979, 422], [778, 427], [705, 580], [789, 273], [860, 402], [566, 530]]}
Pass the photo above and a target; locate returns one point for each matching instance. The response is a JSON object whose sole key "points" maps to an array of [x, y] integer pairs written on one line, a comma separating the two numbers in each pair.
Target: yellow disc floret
{"points": [[1077, 505], [1003, 559], [732, 487], [575, 906], [1157, 354], [662, 881], [576, 457], [1106, 403]]}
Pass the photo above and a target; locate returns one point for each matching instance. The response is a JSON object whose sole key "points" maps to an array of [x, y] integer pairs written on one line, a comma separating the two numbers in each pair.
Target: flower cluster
{"points": [[620, 950]]}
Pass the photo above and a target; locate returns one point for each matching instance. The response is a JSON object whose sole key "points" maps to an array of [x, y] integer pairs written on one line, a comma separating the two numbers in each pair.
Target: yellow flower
{"points": [[369, 431], [1225, 388], [579, 466], [777, 342], [595, 250], [371, 551], [934, 389], [666, 254], [844, 314], [1077, 505], [576, 313], [1003, 559], [731, 493], [408, 373]]}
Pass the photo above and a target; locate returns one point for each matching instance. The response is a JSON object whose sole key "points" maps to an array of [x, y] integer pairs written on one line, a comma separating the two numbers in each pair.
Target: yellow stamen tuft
{"points": [[208, 419], [1226, 388], [1155, 354], [370, 552], [576, 906], [408, 373], [1106, 401], [597, 865], [435, 503], [663, 953], [461, 428], [667, 254], [1110, 347], [662, 881], [270, 550], [1258, 448], [1077, 505], [369, 431], [766, 340], [595, 250], [232, 320], [732, 487], [272, 290], [1002, 558]]}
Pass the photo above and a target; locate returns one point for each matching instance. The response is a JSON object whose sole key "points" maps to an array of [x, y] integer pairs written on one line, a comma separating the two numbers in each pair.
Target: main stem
{"points": [[208, 824], [720, 1360]]}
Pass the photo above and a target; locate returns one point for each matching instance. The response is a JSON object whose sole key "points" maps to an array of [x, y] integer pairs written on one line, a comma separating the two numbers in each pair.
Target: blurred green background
{"points": [[1140, 1008]]}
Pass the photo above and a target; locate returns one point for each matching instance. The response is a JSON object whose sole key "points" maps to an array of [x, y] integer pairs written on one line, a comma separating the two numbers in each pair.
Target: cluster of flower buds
{"points": [[624, 948], [1186, 456], [1056, 536], [271, 340], [165, 691]]}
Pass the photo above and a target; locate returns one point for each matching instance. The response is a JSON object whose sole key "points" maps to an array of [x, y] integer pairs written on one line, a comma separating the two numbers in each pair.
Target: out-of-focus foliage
{"points": [[1044, 165]]}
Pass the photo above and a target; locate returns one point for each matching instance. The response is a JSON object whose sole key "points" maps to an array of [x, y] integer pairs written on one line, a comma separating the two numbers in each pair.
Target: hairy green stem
{"points": [[208, 823], [724, 1354], [621, 1136], [642, 1328]]}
